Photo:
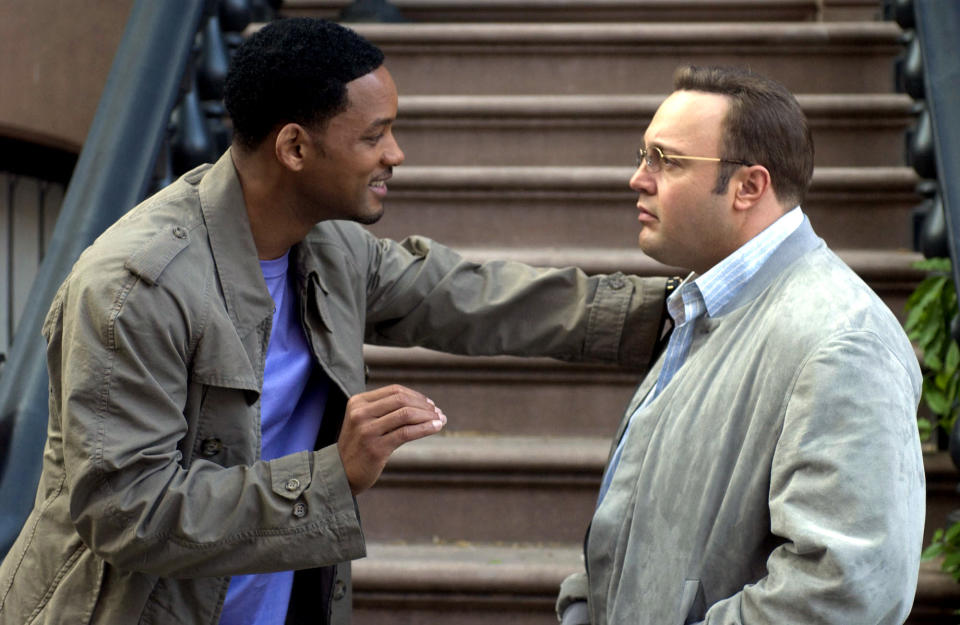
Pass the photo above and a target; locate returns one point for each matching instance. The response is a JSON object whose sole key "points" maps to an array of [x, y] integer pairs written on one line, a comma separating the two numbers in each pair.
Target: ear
{"points": [[292, 146], [751, 184]]}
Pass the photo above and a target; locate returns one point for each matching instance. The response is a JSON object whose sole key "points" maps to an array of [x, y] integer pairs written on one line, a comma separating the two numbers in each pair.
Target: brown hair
{"points": [[764, 125]]}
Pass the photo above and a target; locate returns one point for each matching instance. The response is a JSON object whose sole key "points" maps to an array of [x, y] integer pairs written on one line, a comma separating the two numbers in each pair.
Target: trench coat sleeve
{"points": [[132, 500], [846, 494], [422, 293]]}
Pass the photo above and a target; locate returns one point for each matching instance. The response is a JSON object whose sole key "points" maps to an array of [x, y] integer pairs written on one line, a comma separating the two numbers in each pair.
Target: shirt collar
{"points": [[721, 283]]}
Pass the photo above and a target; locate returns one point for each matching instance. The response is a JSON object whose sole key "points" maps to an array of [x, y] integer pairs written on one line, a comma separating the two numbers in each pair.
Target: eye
{"points": [[374, 139], [668, 162]]}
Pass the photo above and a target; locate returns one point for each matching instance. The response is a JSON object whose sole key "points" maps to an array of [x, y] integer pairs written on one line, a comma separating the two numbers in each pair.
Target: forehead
{"points": [[371, 98], [688, 119]]}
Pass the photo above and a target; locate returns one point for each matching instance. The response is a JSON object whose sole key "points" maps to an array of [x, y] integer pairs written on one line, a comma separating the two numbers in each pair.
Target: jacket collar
{"points": [[245, 293], [801, 241]]}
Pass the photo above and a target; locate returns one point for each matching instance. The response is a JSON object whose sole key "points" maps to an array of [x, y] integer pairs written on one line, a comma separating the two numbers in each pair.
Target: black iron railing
{"points": [[160, 114]]}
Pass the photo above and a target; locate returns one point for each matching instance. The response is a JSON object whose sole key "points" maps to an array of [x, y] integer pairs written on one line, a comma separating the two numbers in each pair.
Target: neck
{"points": [[266, 193]]}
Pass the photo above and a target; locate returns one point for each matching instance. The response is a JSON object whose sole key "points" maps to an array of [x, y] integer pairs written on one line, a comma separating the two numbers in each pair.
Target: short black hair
{"points": [[294, 70]]}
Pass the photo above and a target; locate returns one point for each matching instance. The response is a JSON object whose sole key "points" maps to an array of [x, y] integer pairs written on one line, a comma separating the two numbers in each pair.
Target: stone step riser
{"points": [[538, 211], [526, 504], [628, 58], [520, 132], [584, 11]]}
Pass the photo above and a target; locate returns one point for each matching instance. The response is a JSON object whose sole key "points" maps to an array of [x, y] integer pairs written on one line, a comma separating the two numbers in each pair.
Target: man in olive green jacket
{"points": [[154, 492]]}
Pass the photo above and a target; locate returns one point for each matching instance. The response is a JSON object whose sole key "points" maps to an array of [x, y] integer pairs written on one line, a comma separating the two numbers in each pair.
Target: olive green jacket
{"points": [[152, 492]]}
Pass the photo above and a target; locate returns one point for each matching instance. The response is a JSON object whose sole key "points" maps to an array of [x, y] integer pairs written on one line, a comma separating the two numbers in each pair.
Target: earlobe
{"points": [[288, 146], [753, 183]]}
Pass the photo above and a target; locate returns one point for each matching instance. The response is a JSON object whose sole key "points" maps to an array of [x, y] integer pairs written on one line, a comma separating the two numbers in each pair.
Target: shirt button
{"points": [[293, 484], [210, 447], [616, 283], [180, 232], [299, 509], [339, 590]]}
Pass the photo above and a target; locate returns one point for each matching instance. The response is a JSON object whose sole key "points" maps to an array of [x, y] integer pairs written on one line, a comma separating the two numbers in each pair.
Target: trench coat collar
{"points": [[245, 293]]}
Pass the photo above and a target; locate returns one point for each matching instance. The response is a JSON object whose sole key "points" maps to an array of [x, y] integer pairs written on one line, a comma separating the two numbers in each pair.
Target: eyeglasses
{"points": [[654, 158]]}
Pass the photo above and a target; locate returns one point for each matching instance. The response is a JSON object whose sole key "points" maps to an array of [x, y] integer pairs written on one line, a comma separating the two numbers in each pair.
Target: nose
{"points": [[642, 181], [393, 155]]}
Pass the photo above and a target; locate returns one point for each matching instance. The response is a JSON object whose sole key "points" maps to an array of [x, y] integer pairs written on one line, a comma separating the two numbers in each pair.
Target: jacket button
{"points": [[616, 283], [210, 447], [299, 509], [339, 590], [292, 484], [180, 232]]}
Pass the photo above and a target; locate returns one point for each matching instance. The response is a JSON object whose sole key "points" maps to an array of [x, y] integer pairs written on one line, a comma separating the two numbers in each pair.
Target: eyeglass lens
{"points": [[653, 158]]}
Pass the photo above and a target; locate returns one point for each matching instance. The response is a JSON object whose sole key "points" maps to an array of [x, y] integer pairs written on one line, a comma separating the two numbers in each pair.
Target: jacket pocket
{"points": [[692, 604]]}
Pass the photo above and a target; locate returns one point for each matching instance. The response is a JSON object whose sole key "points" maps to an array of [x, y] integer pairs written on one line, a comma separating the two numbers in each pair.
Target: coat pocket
{"points": [[692, 604]]}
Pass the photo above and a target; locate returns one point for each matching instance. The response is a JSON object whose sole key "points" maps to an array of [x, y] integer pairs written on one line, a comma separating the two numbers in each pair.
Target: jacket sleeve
{"points": [[422, 293], [846, 494], [120, 394], [574, 589]]}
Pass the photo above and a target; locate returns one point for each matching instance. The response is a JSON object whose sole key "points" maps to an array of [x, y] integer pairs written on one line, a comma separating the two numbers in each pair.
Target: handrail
{"points": [[113, 174], [937, 25]]}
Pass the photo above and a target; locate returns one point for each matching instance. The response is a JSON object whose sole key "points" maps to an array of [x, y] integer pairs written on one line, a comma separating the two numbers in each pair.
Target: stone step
{"points": [[542, 488], [623, 58], [487, 488], [508, 395], [462, 583], [850, 130], [577, 10], [851, 207], [481, 584]]}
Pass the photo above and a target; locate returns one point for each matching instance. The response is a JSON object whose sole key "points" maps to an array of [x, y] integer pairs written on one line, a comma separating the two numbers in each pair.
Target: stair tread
{"points": [[587, 176], [854, 104], [634, 33], [522, 568], [465, 567], [474, 451]]}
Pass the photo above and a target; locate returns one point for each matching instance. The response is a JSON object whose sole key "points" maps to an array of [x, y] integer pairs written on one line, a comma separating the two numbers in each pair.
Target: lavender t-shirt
{"points": [[291, 407]]}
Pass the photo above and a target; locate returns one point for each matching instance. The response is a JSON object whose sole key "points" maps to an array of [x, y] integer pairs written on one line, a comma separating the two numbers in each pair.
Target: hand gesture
{"points": [[376, 423]]}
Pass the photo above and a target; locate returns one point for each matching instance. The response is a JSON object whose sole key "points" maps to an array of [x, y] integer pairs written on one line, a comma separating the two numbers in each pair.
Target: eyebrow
{"points": [[380, 123]]}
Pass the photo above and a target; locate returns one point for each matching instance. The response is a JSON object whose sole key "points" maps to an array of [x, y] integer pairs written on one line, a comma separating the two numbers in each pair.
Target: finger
{"points": [[387, 391], [409, 433], [402, 417], [395, 400]]}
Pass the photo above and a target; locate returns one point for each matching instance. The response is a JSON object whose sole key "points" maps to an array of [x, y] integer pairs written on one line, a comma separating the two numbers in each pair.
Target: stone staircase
{"points": [[520, 120]]}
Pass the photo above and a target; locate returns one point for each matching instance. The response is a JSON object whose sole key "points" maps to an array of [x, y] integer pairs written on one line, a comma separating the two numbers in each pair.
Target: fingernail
{"points": [[437, 424], [430, 401]]}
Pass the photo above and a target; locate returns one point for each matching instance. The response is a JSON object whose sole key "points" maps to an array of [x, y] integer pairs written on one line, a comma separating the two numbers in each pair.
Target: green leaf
{"points": [[924, 429], [932, 551], [952, 360], [951, 563], [933, 264], [952, 534], [935, 398]]}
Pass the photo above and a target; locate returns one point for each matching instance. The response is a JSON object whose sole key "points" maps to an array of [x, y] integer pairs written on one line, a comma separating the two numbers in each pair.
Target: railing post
{"points": [[113, 174]]}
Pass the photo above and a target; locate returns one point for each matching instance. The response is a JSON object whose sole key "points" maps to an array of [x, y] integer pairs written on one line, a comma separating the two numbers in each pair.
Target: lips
{"points": [[379, 185], [645, 216]]}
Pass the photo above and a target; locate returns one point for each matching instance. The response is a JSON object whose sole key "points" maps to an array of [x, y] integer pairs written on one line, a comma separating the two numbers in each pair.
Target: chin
{"points": [[369, 218]]}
